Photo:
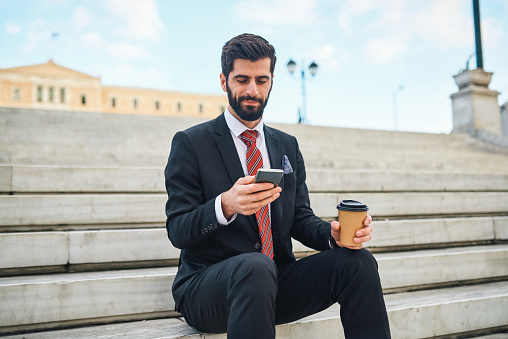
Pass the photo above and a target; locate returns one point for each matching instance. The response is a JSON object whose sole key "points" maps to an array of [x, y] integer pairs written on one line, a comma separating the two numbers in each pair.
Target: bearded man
{"points": [[237, 272]]}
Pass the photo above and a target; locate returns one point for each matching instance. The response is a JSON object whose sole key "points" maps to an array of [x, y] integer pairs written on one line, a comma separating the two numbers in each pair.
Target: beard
{"points": [[247, 113]]}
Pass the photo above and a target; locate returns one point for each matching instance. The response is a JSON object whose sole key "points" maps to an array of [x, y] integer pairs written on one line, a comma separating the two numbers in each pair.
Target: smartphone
{"points": [[269, 175]]}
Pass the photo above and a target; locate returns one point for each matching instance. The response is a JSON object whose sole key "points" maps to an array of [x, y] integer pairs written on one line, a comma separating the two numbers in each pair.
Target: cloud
{"points": [[448, 24], [397, 26], [382, 50], [12, 28], [139, 19], [92, 40], [327, 56], [152, 78], [352, 11], [117, 51], [493, 31], [38, 34], [82, 17], [277, 12], [124, 74], [126, 51]]}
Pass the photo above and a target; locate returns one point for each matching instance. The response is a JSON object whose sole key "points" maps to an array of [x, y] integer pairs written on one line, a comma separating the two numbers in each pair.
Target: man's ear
{"points": [[223, 82]]}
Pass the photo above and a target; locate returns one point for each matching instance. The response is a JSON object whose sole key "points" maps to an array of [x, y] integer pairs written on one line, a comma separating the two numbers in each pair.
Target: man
{"points": [[237, 273]]}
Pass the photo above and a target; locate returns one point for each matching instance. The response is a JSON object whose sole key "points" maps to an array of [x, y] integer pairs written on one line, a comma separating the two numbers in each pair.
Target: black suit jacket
{"points": [[204, 163]]}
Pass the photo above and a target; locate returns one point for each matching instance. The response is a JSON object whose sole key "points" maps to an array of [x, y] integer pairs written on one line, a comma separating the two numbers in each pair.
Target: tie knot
{"points": [[249, 136]]}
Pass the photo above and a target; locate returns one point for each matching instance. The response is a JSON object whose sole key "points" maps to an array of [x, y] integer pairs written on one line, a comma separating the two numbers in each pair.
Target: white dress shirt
{"points": [[236, 128]]}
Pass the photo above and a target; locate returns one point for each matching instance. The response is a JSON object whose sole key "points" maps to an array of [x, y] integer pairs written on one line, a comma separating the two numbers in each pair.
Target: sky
{"points": [[385, 65]]}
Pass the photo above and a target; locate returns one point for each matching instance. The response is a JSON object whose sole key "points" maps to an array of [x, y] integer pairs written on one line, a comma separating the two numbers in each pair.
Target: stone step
{"points": [[415, 203], [84, 138], [421, 314], [129, 155], [53, 179], [99, 155], [45, 301], [326, 180], [63, 299], [503, 335], [369, 162], [450, 310], [75, 179], [433, 267], [35, 210], [19, 124], [21, 250]]}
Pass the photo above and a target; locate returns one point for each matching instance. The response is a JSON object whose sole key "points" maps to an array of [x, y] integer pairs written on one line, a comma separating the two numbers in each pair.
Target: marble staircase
{"points": [[84, 252]]}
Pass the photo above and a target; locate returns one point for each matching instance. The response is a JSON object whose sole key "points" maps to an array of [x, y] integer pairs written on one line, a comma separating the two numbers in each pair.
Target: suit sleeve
{"points": [[307, 228], [190, 219]]}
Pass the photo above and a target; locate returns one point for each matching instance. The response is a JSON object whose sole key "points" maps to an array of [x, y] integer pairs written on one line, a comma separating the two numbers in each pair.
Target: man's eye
{"points": [[242, 81], [262, 81]]}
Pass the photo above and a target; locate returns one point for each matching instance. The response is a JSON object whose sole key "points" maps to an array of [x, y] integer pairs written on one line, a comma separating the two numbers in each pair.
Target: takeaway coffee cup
{"points": [[352, 213]]}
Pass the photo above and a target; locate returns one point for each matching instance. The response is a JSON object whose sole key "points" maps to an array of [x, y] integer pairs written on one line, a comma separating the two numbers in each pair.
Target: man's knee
{"points": [[360, 262], [256, 271]]}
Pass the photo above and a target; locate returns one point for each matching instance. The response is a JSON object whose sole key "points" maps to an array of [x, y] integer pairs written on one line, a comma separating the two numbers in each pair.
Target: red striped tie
{"points": [[255, 162]]}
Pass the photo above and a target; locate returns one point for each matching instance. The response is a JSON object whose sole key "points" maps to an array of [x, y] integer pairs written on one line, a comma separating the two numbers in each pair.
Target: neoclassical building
{"points": [[51, 86]]}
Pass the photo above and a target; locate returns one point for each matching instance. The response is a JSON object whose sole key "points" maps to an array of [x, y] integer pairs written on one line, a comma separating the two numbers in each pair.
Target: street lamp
{"points": [[302, 113]]}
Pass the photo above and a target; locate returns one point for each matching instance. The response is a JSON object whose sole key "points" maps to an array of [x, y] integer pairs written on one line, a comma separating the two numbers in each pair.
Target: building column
{"points": [[475, 106]]}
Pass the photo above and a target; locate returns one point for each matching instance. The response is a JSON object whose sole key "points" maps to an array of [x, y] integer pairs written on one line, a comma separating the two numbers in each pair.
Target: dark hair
{"points": [[247, 47]]}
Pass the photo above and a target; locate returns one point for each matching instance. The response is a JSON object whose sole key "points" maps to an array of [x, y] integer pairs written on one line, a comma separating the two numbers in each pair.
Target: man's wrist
{"points": [[227, 214], [333, 242], [219, 213]]}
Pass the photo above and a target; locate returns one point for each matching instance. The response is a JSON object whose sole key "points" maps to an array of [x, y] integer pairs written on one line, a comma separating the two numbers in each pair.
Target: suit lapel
{"points": [[227, 149]]}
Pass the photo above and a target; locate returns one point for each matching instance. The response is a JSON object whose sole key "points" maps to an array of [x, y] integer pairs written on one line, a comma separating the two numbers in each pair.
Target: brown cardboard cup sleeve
{"points": [[352, 213]]}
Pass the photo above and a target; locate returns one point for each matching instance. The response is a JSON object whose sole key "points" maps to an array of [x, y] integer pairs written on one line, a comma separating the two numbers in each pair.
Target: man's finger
{"points": [[335, 225], [245, 180], [364, 231], [368, 220]]}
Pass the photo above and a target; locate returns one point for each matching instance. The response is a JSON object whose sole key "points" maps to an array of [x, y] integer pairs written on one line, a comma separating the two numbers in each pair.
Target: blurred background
{"points": [[381, 64]]}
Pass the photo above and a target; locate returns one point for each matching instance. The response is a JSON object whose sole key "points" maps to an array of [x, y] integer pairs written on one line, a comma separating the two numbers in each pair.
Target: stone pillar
{"points": [[504, 119], [475, 106]]}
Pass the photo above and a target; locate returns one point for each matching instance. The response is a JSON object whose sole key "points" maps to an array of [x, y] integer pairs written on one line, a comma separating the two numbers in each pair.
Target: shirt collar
{"points": [[238, 128]]}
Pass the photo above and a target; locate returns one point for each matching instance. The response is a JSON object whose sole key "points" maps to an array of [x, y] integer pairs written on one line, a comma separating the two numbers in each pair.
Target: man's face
{"points": [[248, 87]]}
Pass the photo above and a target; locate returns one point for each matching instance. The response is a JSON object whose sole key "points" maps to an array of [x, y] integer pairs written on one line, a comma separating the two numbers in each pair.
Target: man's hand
{"points": [[246, 197], [362, 235]]}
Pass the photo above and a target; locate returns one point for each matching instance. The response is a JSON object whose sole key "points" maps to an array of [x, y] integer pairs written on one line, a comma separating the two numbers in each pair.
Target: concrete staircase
{"points": [[84, 252]]}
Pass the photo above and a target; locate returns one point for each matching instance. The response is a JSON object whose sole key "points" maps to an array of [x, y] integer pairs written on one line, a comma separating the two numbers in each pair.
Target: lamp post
{"points": [[302, 112]]}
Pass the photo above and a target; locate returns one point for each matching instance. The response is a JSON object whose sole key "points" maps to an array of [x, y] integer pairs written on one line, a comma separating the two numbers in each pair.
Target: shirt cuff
{"points": [[221, 219]]}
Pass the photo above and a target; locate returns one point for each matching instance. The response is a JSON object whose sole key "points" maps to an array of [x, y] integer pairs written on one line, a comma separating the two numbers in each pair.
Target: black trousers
{"points": [[247, 295]]}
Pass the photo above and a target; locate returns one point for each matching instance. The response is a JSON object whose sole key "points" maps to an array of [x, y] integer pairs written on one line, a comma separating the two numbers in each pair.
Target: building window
{"points": [[135, 103], [16, 94], [39, 93], [113, 102], [179, 106], [51, 94], [62, 95], [157, 105], [83, 99], [200, 108]]}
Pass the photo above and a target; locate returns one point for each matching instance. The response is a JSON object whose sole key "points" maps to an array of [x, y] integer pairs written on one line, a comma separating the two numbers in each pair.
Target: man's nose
{"points": [[252, 89]]}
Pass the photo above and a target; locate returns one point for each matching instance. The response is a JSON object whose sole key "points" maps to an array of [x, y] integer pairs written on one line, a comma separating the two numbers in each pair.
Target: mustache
{"points": [[248, 97]]}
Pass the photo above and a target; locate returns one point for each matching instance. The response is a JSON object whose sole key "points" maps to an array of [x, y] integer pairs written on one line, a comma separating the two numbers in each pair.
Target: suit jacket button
{"points": [[257, 245]]}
